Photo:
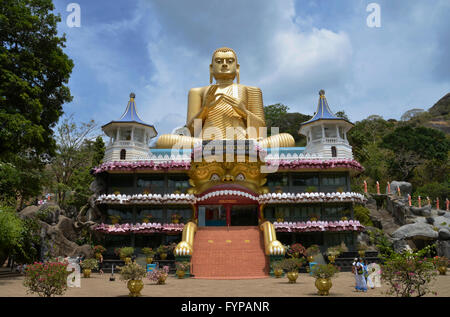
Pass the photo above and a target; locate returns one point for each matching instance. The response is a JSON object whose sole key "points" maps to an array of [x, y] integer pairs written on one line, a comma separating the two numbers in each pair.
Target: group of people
{"points": [[362, 277]]}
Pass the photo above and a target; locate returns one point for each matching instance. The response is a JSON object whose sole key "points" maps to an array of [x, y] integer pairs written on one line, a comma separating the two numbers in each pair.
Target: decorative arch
{"points": [[123, 154], [333, 151]]}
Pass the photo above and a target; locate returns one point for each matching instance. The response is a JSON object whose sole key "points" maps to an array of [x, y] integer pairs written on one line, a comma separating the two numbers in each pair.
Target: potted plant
{"points": [[133, 273], [291, 266], [277, 267], [115, 219], [333, 253], [126, 253], [323, 274], [98, 251], [149, 253], [182, 267], [311, 189], [311, 252], [441, 263], [296, 250], [362, 247], [176, 218], [279, 215], [159, 275], [162, 251], [88, 265]]}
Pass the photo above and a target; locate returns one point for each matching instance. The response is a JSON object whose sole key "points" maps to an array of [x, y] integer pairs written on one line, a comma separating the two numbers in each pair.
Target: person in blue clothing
{"points": [[361, 284]]}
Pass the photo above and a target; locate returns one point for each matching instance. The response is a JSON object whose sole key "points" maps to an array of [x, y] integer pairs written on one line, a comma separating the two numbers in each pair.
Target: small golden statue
{"points": [[225, 110]]}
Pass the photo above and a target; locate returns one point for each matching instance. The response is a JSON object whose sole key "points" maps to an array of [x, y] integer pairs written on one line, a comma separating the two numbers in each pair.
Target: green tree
{"points": [[411, 147], [274, 113], [34, 72]]}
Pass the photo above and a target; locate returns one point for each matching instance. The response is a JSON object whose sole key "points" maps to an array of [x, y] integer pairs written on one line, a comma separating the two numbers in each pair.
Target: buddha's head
{"points": [[224, 65]]}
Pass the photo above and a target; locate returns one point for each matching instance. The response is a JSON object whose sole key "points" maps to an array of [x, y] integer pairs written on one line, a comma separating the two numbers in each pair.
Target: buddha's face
{"points": [[224, 65]]}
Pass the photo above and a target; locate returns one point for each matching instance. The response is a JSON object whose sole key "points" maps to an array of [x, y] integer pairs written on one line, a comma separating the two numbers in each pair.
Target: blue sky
{"points": [[159, 49]]}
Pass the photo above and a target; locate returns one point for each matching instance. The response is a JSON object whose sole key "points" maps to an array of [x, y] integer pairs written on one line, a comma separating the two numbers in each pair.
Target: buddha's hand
{"points": [[238, 105]]}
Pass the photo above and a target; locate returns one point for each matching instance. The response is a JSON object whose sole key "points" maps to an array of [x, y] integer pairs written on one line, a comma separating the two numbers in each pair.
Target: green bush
{"points": [[132, 271], [362, 214], [434, 190], [126, 252], [90, 264]]}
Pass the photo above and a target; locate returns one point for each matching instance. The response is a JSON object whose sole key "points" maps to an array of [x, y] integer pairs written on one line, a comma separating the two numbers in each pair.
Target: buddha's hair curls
{"points": [[224, 50]]}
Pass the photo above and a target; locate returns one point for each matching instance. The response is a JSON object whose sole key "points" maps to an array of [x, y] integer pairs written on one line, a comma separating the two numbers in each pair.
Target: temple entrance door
{"points": [[212, 215], [244, 215]]}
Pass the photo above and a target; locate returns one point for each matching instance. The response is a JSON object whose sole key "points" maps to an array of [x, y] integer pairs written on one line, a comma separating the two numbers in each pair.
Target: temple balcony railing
{"points": [[329, 140], [122, 143]]}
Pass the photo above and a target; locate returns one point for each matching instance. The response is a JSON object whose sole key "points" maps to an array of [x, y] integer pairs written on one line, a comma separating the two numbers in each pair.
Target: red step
{"points": [[229, 253]]}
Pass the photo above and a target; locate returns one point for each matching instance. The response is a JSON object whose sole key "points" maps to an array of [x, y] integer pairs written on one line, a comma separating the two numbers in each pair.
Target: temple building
{"points": [[231, 210]]}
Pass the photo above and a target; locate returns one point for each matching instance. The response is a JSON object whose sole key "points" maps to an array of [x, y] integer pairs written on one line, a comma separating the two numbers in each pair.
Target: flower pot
{"points": [[442, 270], [292, 276], [310, 258], [149, 260], [278, 273], [162, 279], [86, 273], [135, 287], [145, 220], [180, 273], [332, 258], [362, 253], [323, 285], [280, 219], [163, 256], [127, 260], [175, 221]]}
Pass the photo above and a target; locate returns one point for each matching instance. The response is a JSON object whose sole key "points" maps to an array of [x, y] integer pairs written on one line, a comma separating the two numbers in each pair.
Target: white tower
{"points": [[129, 136], [326, 134]]}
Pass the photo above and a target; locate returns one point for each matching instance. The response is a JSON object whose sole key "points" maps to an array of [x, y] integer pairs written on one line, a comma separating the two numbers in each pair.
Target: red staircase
{"points": [[224, 253]]}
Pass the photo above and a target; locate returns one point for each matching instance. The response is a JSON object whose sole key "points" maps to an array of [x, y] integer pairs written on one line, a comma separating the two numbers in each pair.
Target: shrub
{"points": [[99, 249], [277, 265], [311, 189], [126, 252], [132, 271], [148, 252], [90, 264], [312, 250], [439, 261], [335, 250], [182, 266], [362, 214], [46, 279], [409, 273], [295, 249], [362, 246], [325, 271], [292, 264]]}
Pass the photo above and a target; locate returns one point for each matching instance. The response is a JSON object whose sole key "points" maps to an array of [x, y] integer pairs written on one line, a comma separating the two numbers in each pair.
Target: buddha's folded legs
{"points": [[168, 141]]}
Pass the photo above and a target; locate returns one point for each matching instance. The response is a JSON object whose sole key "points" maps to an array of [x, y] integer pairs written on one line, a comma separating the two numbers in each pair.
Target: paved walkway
{"points": [[100, 286]]}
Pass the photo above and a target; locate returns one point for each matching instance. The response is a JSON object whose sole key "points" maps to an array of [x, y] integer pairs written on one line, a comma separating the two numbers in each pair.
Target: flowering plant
{"points": [[325, 271], [99, 249], [439, 261], [292, 264], [296, 250], [46, 279], [159, 275], [126, 252], [409, 273], [182, 266]]}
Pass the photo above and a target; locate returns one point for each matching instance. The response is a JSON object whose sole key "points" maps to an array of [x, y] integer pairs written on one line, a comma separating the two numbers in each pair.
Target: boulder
{"points": [[29, 212], [415, 231], [443, 248], [98, 186], [423, 211], [66, 226], [400, 245], [440, 212], [405, 188], [49, 213], [444, 234]]}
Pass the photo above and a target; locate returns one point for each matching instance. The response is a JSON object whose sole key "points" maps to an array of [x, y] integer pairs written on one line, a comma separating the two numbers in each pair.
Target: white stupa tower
{"points": [[129, 136], [326, 134]]}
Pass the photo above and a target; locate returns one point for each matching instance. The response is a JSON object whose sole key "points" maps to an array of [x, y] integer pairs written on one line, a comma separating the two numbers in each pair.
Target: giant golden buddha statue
{"points": [[225, 110]]}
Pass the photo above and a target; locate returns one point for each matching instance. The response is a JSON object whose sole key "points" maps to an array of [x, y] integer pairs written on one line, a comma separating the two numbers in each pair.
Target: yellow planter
{"points": [[135, 287], [162, 279], [278, 273], [310, 258], [180, 273], [323, 285], [127, 261], [292, 277], [362, 253], [332, 258], [163, 256], [86, 273], [175, 221], [442, 270], [149, 260]]}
